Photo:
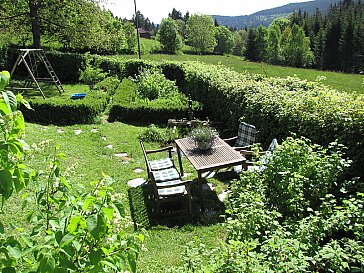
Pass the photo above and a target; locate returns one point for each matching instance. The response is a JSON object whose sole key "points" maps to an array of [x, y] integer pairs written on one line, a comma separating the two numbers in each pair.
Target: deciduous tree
{"points": [[200, 33], [225, 40], [169, 36]]}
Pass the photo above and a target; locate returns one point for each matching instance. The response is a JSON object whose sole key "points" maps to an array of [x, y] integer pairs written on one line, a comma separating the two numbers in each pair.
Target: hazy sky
{"points": [[155, 10]]}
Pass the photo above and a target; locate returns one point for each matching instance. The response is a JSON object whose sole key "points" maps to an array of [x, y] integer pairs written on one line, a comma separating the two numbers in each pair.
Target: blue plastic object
{"points": [[78, 96]]}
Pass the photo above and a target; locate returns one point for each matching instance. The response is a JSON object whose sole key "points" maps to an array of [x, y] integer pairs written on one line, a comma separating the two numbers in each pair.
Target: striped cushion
{"points": [[246, 135], [167, 174], [170, 183], [172, 191], [160, 164]]}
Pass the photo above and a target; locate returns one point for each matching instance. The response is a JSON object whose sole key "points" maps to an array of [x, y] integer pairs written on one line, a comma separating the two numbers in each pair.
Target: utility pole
{"points": [[137, 27]]}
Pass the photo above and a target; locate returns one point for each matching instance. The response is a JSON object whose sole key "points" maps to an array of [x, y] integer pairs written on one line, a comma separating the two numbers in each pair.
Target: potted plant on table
{"points": [[203, 136]]}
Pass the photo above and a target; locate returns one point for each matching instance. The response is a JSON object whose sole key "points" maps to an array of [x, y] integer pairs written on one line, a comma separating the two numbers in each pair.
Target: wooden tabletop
{"points": [[220, 155]]}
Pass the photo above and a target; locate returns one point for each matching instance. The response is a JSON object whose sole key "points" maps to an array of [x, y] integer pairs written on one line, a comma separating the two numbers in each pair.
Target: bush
{"points": [[90, 73], [109, 85], [152, 134], [128, 107], [153, 85], [326, 238], [301, 174]]}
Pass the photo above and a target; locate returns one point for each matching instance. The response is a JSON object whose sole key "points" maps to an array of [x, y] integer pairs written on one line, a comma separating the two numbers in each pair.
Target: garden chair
{"points": [[166, 181], [247, 136], [264, 156]]}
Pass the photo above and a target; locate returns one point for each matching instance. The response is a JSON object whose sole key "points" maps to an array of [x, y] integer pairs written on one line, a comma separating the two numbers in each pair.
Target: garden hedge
{"points": [[62, 110], [278, 107]]}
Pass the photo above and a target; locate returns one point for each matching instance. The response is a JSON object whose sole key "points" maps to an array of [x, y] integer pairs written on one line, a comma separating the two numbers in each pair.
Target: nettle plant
{"points": [[70, 230]]}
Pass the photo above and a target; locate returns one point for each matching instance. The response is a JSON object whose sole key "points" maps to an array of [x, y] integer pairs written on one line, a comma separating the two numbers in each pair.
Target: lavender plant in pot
{"points": [[203, 136]]}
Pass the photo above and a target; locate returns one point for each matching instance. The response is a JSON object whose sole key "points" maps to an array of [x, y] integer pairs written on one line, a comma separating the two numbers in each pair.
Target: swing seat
{"points": [[78, 96]]}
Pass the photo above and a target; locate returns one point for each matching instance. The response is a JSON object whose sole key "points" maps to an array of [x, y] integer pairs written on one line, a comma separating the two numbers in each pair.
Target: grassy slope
{"points": [[88, 157], [91, 153], [339, 81]]}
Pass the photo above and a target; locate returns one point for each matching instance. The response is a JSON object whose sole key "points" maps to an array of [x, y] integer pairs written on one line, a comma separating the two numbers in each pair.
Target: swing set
{"points": [[32, 59]]}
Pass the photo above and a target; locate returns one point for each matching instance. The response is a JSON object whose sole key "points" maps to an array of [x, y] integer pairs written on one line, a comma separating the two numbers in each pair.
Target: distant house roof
{"points": [[144, 33]]}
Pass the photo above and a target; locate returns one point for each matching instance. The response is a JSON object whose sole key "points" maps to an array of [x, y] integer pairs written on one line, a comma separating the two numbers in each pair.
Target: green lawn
{"points": [[91, 151], [339, 81]]}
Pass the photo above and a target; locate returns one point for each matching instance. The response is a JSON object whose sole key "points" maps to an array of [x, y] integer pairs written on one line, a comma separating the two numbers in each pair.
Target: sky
{"points": [[156, 10]]}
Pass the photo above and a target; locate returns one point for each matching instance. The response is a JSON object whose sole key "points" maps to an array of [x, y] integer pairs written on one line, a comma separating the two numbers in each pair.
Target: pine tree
{"points": [[251, 49]]}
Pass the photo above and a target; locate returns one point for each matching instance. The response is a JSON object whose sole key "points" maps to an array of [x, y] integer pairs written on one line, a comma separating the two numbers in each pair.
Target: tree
{"points": [[297, 50], [169, 36], [274, 52], [240, 40], [130, 36], [73, 23], [261, 43], [175, 15], [251, 49], [200, 33], [225, 40]]}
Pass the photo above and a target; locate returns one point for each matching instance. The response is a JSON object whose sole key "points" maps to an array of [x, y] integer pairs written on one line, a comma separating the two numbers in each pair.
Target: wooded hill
{"points": [[266, 17]]}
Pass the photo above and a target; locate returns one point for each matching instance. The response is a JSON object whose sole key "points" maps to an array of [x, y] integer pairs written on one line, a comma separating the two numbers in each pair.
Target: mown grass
{"points": [[93, 150], [336, 80]]}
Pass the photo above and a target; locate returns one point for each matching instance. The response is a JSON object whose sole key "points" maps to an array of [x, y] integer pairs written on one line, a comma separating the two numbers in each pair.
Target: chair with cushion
{"points": [[247, 136], [166, 181]]}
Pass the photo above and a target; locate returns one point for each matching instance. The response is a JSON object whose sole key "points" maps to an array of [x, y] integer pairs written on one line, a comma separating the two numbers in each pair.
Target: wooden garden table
{"points": [[220, 155]]}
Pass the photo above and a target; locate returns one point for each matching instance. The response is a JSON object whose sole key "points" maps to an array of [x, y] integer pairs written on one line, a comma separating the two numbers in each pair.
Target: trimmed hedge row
{"points": [[62, 110], [276, 106], [280, 106]]}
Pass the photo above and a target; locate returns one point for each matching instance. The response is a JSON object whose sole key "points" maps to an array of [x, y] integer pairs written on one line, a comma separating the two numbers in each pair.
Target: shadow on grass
{"points": [[143, 208]]}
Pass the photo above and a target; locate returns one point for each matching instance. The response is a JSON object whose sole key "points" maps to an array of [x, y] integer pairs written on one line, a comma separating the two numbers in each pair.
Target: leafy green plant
{"points": [[203, 136], [152, 84], [91, 73], [70, 230], [301, 174], [14, 175], [152, 134]]}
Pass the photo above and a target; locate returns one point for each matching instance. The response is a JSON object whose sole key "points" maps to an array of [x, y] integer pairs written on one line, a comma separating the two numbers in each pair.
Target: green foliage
{"points": [[225, 40], [327, 238], [127, 106], [77, 26], [200, 33], [62, 110], [152, 134], [91, 73], [302, 174], [109, 85], [14, 175], [297, 50], [169, 36], [69, 230], [153, 85], [72, 230], [240, 41], [131, 37]]}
